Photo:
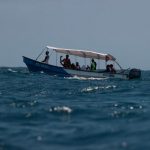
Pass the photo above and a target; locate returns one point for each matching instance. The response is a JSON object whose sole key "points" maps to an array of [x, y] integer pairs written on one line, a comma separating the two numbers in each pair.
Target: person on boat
{"points": [[112, 69], [88, 68], [108, 69], [65, 62], [77, 66], [73, 66], [93, 65], [46, 59]]}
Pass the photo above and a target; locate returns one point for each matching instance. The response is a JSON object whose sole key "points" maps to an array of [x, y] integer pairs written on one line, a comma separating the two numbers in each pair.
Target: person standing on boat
{"points": [[65, 62], [46, 59], [93, 65]]}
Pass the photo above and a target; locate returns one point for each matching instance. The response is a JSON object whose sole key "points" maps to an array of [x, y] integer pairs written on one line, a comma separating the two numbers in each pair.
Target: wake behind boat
{"points": [[74, 69]]}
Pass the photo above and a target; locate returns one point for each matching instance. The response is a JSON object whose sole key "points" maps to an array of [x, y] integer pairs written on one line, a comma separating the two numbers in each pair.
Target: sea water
{"points": [[42, 112]]}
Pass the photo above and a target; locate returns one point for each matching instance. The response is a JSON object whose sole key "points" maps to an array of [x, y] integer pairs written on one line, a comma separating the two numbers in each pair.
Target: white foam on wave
{"points": [[64, 109], [110, 86], [97, 78], [11, 70], [84, 78], [90, 89]]}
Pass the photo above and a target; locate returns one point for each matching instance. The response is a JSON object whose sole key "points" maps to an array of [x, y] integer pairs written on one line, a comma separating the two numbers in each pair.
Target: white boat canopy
{"points": [[83, 53]]}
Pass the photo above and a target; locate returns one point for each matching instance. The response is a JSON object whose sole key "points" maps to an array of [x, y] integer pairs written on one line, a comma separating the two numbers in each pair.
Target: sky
{"points": [[118, 27]]}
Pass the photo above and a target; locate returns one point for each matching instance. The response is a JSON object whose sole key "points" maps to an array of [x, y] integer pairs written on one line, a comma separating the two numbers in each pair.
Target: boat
{"points": [[58, 70]]}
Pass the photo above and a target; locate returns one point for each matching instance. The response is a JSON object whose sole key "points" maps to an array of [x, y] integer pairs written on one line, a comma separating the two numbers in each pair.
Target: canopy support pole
{"points": [[99, 64], [41, 53], [56, 58], [85, 61], [118, 65]]}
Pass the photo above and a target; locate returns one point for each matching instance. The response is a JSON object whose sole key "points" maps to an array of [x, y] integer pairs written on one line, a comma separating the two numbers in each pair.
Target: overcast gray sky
{"points": [[118, 27]]}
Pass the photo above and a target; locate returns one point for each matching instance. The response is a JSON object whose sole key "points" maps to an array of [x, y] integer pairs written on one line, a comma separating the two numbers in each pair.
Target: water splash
{"points": [[84, 78], [63, 109], [94, 88], [11, 70]]}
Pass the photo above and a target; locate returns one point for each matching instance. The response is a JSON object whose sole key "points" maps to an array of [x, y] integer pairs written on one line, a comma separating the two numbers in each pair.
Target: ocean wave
{"points": [[11, 70], [14, 70], [94, 88], [63, 109], [41, 72], [84, 78], [127, 110]]}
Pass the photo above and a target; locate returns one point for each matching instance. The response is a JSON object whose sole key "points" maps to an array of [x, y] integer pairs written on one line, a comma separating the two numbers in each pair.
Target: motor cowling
{"points": [[134, 73]]}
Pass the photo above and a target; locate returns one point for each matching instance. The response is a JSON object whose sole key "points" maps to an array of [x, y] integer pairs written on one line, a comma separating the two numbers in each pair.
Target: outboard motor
{"points": [[134, 73]]}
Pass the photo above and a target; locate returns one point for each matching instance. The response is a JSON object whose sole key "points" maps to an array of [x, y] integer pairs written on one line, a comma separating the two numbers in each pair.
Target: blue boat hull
{"points": [[36, 66]]}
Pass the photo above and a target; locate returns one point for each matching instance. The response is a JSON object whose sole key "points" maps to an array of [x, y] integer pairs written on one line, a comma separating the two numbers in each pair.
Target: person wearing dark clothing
{"points": [[112, 70], [46, 59], [73, 66], [108, 68]]}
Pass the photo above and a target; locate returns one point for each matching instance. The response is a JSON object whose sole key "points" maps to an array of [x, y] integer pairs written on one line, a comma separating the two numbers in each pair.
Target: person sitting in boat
{"points": [[65, 62], [73, 66], [77, 66], [46, 59], [93, 65], [88, 68], [108, 69], [112, 69]]}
